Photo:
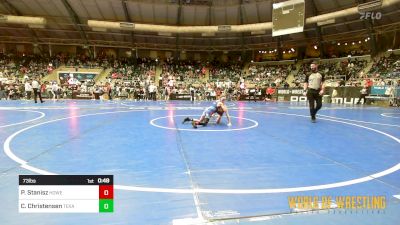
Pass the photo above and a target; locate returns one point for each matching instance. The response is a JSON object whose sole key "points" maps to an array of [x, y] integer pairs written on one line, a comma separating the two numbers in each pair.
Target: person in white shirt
{"points": [[213, 95], [26, 77], [36, 90], [84, 88], [363, 94], [28, 90], [192, 92], [242, 86], [171, 83], [54, 90], [152, 91]]}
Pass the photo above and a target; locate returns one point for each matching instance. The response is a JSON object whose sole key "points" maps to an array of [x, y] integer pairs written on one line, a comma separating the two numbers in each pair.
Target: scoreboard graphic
{"points": [[66, 194], [288, 17]]}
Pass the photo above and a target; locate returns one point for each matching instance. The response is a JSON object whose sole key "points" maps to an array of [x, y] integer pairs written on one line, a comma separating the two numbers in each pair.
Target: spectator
{"points": [[363, 94], [55, 90], [2, 91], [28, 90], [152, 91]]}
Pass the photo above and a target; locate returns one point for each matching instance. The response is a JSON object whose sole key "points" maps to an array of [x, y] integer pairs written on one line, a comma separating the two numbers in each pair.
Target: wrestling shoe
{"points": [[194, 125], [187, 119]]}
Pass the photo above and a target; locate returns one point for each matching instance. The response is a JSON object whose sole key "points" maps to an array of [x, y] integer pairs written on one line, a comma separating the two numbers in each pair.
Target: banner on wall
{"points": [[345, 95], [179, 97], [383, 90]]}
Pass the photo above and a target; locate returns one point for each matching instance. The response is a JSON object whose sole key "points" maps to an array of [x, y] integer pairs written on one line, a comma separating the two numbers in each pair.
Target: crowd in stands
{"points": [[386, 67], [12, 67], [86, 62], [16, 70], [136, 78], [225, 71], [270, 75]]}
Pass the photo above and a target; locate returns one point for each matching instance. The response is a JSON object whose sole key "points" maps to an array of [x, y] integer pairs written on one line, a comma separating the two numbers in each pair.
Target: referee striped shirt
{"points": [[314, 81]]}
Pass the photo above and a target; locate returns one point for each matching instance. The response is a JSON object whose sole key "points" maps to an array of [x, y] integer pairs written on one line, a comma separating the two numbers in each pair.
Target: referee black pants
{"points": [[362, 96], [313, 97], [37, 93]]}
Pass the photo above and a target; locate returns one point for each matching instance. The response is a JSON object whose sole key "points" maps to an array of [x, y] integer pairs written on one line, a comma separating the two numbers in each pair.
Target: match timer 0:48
{"points": [[105, 180]]}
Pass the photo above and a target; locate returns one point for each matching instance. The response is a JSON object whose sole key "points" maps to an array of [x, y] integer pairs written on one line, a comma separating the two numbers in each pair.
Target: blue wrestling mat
{"points": [[166, 172]]}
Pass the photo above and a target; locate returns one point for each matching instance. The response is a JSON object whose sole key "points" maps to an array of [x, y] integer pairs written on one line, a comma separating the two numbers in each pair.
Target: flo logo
{"points": [[371, 15]]}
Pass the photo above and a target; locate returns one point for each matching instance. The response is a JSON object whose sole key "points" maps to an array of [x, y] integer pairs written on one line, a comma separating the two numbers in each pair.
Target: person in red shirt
{"points": [[269, 92], [43, 88], [369, 83]]}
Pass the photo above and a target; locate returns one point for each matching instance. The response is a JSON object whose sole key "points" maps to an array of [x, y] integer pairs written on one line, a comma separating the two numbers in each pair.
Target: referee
{"points": [[314, 89], [36, 90]]}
